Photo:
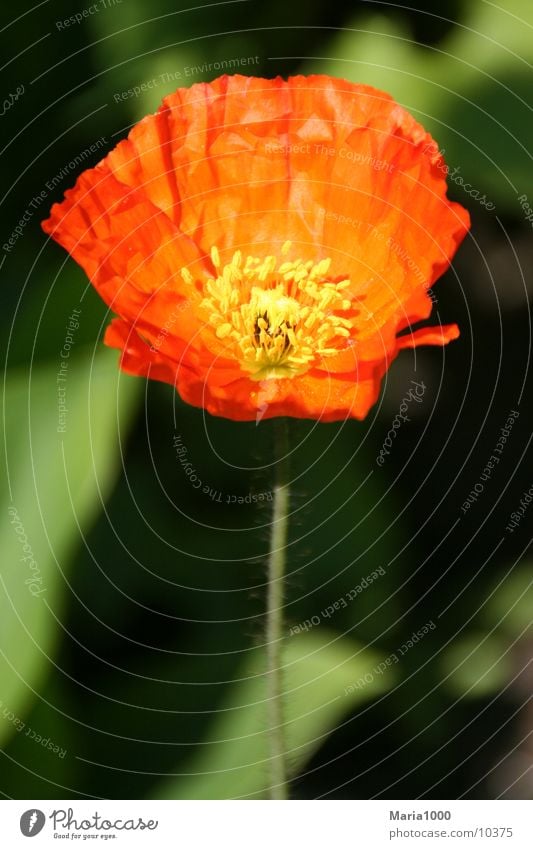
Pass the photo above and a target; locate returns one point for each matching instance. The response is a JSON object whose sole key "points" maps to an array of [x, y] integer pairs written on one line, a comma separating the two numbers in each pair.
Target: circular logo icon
{"points": [[32, 822]]}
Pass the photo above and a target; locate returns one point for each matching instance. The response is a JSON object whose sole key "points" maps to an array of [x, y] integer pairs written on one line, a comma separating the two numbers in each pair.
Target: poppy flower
{"points": [[267, 245]]}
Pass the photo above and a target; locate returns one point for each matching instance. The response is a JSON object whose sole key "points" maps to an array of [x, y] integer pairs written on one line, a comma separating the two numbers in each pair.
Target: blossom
{"points": [[267, 245]]}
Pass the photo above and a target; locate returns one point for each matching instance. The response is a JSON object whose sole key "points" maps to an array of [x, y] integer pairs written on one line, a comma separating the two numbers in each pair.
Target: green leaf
{"points": [[321, 672], [56, 475], [509, 607], [477, 665]]}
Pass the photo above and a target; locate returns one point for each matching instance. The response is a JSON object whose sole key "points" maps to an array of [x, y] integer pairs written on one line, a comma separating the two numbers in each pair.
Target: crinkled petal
{"points": [[243, 163]]}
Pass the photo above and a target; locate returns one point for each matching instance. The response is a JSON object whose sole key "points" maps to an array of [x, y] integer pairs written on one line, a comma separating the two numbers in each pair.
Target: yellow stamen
{"points": [[276, 321], [215, 256]]}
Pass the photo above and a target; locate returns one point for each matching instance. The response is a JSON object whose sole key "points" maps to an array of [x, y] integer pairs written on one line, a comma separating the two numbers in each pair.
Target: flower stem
{"points": [[274, 614]]}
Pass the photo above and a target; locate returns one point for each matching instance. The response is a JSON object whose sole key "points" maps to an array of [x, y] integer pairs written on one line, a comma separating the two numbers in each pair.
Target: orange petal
{"points": [[429, 336]]}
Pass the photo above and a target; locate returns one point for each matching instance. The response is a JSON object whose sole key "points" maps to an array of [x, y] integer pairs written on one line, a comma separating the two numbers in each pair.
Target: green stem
{"points": [[274, 614]]}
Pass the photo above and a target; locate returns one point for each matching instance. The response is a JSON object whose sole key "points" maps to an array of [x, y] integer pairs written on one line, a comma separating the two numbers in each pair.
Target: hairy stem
{"points": [[274, 614]]}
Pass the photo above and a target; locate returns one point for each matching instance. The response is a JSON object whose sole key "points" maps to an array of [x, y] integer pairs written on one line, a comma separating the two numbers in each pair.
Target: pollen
{"points": [[276, 319]]}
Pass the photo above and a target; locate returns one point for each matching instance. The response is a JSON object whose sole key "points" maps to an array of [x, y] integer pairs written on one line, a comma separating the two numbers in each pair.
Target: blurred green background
{"points": [[134, 667]]}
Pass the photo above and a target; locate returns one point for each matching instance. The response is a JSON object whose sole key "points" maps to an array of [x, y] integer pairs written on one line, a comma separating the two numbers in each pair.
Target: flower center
{"points": [[276, 321]]}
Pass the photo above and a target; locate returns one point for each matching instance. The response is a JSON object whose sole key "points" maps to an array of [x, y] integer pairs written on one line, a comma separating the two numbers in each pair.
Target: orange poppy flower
{"points": [[264, 242]]}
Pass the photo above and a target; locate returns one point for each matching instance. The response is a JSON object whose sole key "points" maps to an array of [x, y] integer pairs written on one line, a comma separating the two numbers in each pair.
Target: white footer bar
{"points": [[267, 825]]}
